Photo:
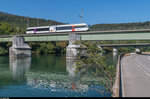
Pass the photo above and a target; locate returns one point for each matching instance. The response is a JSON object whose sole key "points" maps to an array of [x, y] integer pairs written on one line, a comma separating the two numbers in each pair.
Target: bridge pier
{"points": [[72, 49], [19, 48], [137, 50], [115, 51]]}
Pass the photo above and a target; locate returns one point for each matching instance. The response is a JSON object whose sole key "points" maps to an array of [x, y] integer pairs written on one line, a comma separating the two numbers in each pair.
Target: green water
{"points": [[47, 76]]}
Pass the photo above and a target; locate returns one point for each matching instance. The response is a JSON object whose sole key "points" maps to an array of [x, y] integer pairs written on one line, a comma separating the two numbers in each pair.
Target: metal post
{"points": [[27, 22], [81, 16]]}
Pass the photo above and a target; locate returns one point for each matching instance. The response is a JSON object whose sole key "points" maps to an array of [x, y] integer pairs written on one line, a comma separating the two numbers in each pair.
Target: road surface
{"points": [[135, 76]]}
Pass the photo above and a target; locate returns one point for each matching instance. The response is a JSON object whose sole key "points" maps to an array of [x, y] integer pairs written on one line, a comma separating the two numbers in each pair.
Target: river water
{"points": [[47, 76]]}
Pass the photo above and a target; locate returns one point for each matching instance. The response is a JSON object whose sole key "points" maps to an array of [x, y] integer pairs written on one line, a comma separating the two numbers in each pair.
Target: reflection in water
{"points": [[71, 68], [19, 66], [75, 76], [57, 81], [47, 76], [51, 81]]}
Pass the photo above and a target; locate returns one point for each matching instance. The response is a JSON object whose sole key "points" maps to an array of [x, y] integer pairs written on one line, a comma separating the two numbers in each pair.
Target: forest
{"points": [[121, 26], [20, 23], [13, 24]]}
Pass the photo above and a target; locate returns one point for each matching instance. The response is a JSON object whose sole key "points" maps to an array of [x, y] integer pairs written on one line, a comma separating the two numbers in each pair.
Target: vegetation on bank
{"points": [[38, 47], [48, 47]]}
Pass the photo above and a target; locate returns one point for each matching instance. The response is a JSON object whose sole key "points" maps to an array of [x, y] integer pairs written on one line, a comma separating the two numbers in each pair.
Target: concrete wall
{"points": [[116, 87], [19, 48]]}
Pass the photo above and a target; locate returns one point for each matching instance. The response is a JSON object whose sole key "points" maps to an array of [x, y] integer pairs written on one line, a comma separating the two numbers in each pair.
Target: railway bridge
{"points": [[20, 47]]}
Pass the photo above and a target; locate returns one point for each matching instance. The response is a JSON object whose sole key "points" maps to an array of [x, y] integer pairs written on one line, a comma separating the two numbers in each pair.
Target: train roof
{"points": [[72, 24]]}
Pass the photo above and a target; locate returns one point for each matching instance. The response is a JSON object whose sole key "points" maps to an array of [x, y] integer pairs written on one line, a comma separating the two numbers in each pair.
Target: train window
{"points": [[64, 28], [39, 29], [30, 30], [47, 29], [43, 29], [84, 26]]}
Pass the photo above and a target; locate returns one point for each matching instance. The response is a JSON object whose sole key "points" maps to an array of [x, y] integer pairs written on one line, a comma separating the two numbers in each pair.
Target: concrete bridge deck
{"points": [[135, 76]]}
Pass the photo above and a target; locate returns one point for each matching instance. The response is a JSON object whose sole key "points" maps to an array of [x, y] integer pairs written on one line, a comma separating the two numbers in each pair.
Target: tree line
{"points": [[121, 26], [21, 22]]}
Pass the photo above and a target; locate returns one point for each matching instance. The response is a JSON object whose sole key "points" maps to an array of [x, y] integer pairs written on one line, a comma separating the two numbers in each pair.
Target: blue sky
{"points": [[94, 11]]}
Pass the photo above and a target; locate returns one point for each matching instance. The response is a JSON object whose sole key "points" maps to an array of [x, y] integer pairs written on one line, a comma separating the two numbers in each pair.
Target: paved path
{"points": [[135, 76]]}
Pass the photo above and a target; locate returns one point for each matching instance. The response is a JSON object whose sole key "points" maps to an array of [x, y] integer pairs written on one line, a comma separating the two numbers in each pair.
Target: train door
{"points": [[73, 28], [34, 31], [52, 28]]}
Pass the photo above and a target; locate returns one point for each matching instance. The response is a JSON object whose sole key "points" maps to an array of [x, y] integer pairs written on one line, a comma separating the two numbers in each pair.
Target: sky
{"points": [[68, 11]]}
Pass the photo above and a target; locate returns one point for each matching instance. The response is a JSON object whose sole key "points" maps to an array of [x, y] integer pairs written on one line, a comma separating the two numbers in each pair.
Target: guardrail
{"points": [[116, 86]]}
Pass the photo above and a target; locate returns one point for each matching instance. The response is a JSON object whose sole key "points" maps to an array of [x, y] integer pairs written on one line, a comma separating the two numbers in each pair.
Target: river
{"points": [[47, 76]]}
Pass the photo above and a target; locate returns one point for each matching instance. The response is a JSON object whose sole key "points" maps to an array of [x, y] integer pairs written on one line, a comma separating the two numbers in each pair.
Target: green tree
{"points": [[1, 31], [50, 48], [7, 29], [61, 47], [3, 51], [91, 57]]}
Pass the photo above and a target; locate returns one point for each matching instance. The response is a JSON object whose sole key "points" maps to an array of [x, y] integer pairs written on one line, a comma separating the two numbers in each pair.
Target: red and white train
{"points": [[58, 28]]}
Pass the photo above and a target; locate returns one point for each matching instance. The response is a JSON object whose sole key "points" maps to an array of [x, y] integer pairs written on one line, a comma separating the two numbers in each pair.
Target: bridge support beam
{"points": [[19, 48], [72, 49]]}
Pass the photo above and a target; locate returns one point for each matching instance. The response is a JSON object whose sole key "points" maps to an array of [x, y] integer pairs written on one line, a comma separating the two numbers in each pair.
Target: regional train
{"points": [[58, 28]]}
